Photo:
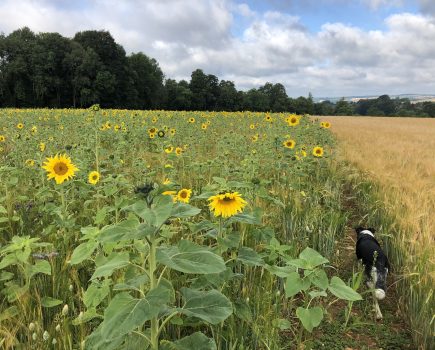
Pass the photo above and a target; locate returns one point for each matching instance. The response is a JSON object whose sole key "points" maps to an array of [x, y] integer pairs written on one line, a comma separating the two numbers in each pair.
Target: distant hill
{"points": [[414, 98]]}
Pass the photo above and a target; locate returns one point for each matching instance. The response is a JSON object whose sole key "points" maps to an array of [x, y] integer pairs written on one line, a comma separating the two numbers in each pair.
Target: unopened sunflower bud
{"points": [[278, 293], [65, 310], [45, 336], [31, 327], [34, 336], [80, 315], [54, 341], [71, 288], [58, 328]]}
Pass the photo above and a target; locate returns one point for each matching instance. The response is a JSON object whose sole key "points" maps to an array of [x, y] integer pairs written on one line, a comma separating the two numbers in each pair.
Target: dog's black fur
{"points": [[373, 258]]}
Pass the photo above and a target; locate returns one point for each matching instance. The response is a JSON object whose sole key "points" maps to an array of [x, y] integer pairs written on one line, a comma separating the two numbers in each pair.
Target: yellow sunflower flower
{"points": [[167, 182], [292, 120], [59, 168], [326, 125], [30, 163], [172, 132], [42, 146], [93, 177], [289, 143], [2, 138], [178, 151], [191, 120], [184, 195], [169, 149], [173, 194], [20, 125], [226, 204], [204, 126], [318, 151]]}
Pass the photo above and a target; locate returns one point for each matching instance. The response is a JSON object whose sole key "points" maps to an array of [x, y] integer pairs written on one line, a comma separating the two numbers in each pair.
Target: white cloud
{"points": [[337, 60]]}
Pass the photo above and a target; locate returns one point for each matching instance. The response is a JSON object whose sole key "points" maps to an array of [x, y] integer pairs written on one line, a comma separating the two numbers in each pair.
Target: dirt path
{"points": [[363, 331]]}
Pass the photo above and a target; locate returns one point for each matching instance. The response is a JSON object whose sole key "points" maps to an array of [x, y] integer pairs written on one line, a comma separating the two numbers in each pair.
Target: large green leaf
{"points": [[310, 318], [250, 257], [295, 284], [95, 294], [83, 252], [318, 277], [157, 214], [312, 257], [211, 306], [342, 291], [115, 261], [125, 313], [196, 341], [50, 302], [41, 266], [182, 210], [125, 230], [280, 271], [308, 260], [189, 257]]}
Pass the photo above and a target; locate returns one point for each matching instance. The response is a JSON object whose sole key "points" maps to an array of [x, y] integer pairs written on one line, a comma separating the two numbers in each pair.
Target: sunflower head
{"points": [[318, 151], [93, 177], [184, 195], [289, 143], [20, 125], [191, 120], [326, 125], [169, 149], [161, 133], [226, 204], [2, 138], [178, 151], [293, 120], [30, 163], [60, 168]]}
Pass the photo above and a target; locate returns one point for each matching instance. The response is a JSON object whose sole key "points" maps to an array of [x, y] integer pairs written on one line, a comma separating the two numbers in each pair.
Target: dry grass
{"points": [[399, 154]]}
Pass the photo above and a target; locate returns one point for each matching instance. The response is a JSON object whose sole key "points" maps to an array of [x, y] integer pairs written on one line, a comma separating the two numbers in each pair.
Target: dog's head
{"points": [[359, 231]]}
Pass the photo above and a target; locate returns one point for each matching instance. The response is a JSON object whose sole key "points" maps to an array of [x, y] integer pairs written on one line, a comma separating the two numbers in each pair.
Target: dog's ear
{"points": [[372, 230], [359, 229]]}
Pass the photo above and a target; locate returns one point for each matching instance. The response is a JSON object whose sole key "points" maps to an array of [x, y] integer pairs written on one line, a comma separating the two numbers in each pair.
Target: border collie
{"points": [[375, 261]]}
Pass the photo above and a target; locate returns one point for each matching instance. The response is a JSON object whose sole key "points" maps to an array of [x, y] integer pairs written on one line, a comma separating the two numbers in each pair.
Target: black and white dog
{"points": [[375, 261]]}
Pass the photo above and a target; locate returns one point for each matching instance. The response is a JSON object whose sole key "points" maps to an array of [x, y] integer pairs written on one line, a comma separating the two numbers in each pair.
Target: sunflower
{"points": [[191, 120], [226, 204], [172, 132], [167, 182], [326, 125], [268, 118], [59, 168], [116, 127], [2, 138], [173, 194], [178, 151], [292, 120], [289, 143], [30, 162], [161, 133], [152, 135], [184, 195], [318, 151], [94, 177], [204, 126], [20, 125], [169, 149], [254, 138], [34, 129], [152, 131], [252, 126]]}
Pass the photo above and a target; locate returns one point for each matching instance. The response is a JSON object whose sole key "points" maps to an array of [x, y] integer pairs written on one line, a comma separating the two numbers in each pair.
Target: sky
{"points": [[327, 47]]}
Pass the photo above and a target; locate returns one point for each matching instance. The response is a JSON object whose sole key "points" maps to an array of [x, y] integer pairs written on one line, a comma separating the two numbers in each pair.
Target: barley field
{"points": [[397, 155]]}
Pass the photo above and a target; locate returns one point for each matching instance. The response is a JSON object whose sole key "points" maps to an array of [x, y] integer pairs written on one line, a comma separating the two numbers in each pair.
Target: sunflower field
{"points": [[166, 230]]}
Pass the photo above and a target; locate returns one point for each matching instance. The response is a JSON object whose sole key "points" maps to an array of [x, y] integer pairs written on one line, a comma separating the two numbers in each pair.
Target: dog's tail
{"points": [[380, 279]]}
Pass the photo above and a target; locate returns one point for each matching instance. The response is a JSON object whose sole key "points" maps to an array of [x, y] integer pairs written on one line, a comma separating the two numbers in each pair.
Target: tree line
{"points": [[49, 70]]}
